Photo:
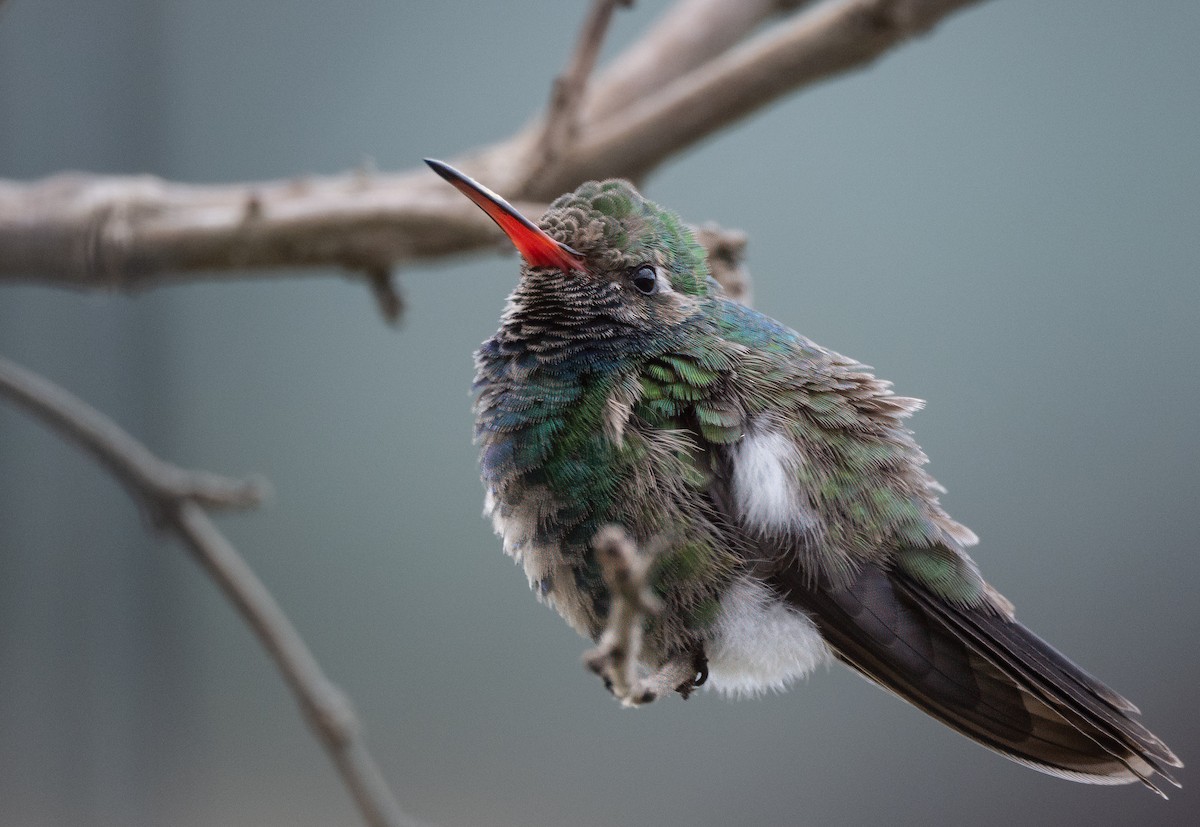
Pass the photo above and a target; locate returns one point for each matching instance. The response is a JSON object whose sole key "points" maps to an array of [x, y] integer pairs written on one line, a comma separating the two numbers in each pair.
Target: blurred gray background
{"points": [[1003, 218]]}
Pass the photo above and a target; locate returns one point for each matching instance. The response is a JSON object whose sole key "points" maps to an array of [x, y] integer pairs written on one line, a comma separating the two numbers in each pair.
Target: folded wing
{"points": [[985, 675]]}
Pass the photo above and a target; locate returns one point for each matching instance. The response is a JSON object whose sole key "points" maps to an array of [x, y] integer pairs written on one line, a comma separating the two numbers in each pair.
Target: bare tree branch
{"points": [[145, 476], [128, 233], [832, 38], [561, 123], [689, 34], [678, 85], [177, 498]]}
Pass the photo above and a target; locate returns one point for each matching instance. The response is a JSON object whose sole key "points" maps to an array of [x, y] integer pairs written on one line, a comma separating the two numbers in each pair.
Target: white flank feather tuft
{"points": [[759, 643]]}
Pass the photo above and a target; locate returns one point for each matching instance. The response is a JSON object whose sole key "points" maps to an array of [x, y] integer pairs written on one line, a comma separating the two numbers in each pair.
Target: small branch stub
{"points": [[387, 295], [726, 251]]}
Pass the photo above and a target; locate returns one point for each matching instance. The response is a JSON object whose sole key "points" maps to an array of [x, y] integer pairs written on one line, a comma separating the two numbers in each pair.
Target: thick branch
{"points": [[177, 499], [127, 233], [673, 88]]}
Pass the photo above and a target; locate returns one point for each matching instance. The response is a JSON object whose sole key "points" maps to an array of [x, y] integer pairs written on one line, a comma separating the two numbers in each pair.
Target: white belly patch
{"points": [[758, 643]]}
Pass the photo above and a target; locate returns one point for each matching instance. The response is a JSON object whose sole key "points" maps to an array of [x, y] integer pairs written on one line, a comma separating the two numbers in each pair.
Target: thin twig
{"points": [[566, 96], [326, 708], [145, 476], [177, 499], [131, 232], [626, 573]]}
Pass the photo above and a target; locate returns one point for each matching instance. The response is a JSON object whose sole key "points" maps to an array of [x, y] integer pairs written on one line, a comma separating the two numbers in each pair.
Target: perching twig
{"points": [[177, 498], [128, 232], [566, 96], [626, 573]]}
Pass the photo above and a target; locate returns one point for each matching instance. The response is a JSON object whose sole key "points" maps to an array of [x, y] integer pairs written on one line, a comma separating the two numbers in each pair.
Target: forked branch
{"points": [[176, 500], [703, 67]]}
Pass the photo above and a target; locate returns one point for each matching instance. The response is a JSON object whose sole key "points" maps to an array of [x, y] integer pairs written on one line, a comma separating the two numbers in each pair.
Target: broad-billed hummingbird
{"points": [[785, 497]]}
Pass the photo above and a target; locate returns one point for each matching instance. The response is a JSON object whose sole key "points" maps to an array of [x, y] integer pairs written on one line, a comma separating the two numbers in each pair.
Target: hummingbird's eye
{"points": [[645, 279]]}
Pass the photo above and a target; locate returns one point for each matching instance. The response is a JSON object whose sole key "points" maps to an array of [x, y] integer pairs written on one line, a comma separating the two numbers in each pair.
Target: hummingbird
{"points": [[787, 501]]}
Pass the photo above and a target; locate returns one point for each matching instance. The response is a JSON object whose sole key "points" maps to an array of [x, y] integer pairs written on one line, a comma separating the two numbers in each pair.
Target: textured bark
{"points": [[701, 68]]}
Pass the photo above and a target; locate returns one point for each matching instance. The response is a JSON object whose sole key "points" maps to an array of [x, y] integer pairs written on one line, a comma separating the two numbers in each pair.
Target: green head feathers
{"points": [[614, 228]]}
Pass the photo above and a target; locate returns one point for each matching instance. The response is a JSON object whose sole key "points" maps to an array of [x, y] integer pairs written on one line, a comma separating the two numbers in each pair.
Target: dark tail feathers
{"points": [[986, 676]]}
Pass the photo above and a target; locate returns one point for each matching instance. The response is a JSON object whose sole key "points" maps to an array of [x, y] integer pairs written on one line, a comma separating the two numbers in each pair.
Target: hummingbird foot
{"points": [[676, 675], [698, 676]]}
